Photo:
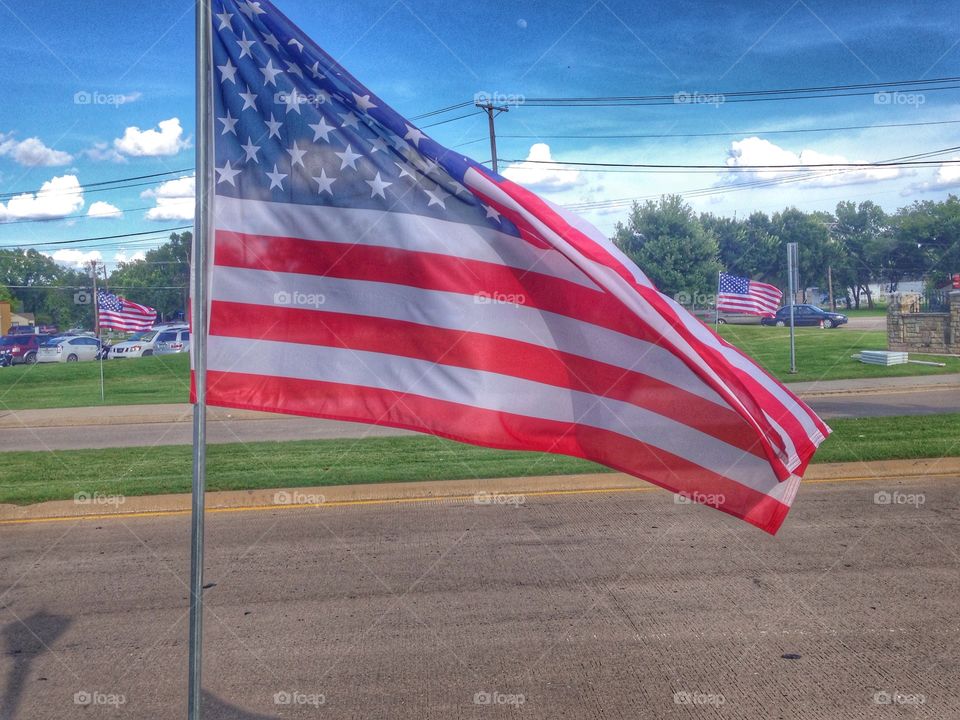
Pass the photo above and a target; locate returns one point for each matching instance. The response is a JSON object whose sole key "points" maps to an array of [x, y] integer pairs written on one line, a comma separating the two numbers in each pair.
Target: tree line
{"points": [[859, 244], [34, 283]]}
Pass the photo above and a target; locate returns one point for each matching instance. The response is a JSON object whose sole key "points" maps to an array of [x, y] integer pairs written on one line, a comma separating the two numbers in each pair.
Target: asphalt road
{"points": [[927, 401], [577, 606]]}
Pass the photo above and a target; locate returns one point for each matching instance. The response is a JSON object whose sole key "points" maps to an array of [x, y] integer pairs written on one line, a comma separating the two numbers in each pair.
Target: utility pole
{"points": [[490, 109], [833, 306], [96, 305]]}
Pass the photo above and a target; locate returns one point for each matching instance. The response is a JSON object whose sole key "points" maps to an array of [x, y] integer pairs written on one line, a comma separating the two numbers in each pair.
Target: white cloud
{"points": [[175, 199], [948, 176], [756, 151], [120, 256], [75, 258], [102, 152], [168, 140], [57, 198], [32, 152], [538, 175], [102, 209]]}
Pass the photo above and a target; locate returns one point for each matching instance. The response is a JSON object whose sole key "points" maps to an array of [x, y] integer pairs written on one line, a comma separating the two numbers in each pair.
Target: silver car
{"points": [[170, 342], [68, 348], [140, 345]]}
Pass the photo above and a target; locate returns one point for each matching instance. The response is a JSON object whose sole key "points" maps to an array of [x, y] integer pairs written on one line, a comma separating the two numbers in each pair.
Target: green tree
{"points": [[667, 241], [858, 231], [161, 280], [811, 232], [40, 286]]}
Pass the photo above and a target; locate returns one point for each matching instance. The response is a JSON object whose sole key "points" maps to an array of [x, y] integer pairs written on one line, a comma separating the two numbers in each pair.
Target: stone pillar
{"points": [[953, 325], [895, 338]]}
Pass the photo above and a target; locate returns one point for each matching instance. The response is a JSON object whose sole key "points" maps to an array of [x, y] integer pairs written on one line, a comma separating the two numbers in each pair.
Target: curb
{"points": [[491, 491]]}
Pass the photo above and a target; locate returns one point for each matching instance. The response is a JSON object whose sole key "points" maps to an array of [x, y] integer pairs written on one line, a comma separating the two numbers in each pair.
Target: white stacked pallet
{"points": [[883, 357]]}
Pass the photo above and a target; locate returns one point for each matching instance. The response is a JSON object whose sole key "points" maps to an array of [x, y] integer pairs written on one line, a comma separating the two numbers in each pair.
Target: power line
{"points": [[661, 136], [718, 97], [749, 168], [7, 195], [102, 237]]}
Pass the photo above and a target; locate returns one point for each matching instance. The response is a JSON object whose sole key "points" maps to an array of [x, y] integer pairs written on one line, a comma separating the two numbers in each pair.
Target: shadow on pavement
{"points": [[23, 642]]}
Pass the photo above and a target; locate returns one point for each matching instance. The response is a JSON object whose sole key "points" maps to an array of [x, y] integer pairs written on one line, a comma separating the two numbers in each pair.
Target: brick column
{"points": [[953, 326]]}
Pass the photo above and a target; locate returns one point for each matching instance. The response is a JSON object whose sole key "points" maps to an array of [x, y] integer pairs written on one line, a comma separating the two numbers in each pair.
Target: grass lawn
{"points": [[879, 311], [30, 477], [163, 379], [824, 354], [821, 355]]}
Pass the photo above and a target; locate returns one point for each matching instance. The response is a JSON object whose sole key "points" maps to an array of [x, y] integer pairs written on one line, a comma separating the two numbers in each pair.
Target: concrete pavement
{"points": [[580, 606]]}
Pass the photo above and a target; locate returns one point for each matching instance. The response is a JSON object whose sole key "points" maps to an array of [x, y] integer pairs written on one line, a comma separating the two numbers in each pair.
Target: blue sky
{"points": [[89, 84]]}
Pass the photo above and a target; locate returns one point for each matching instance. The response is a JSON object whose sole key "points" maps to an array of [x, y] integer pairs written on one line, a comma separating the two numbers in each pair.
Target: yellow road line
{"points": [[404, 501]]}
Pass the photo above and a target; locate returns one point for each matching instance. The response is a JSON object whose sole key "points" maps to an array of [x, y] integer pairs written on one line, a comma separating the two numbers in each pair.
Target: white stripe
{"points": [[489, 391], [405, 231], [455, 311]]}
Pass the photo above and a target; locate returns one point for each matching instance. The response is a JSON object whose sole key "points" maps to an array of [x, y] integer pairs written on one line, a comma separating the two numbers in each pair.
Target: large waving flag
{"points": [[363, 272]]}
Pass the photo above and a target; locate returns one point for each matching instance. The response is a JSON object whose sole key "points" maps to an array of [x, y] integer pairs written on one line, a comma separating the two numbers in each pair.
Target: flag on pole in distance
{"points": [[361, 271], [119, 313], [746, 296]]}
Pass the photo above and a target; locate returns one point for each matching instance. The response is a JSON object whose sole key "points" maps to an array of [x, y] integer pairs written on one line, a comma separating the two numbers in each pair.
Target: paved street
{"points": [[610, 605], [136, 426]]}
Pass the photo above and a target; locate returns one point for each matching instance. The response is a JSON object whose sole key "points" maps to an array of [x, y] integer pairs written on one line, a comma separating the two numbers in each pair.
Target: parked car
{"points": [[140, 345], [68, 348], [805, 315], [22, 348], [170, 342]]}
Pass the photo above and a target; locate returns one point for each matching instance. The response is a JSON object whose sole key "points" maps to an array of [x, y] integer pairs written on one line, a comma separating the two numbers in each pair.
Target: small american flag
{"points": [[361, 271], [120, 314], [742, 295]]}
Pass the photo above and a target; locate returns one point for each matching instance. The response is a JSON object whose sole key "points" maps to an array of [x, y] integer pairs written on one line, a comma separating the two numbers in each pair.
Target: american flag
{"points": [[121, 314], [742, 295], [363, 272]]}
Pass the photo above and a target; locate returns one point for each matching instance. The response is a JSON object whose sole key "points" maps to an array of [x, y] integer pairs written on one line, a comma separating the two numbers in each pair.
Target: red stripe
{"points": [[492, 429], [428, 271], [478, 351]]}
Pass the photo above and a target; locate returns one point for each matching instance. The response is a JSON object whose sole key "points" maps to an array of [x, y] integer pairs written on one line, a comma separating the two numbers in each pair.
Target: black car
{"points": [[805, 315]]}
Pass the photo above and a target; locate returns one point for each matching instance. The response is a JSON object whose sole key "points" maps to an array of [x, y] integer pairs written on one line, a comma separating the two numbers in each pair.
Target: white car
{"points": [[140, 345], [174, 340], [68, 348]]}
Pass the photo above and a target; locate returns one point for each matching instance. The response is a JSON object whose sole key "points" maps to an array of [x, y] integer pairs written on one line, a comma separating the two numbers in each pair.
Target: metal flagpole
{"points": [[793, 281], [716, 302], [96, 321], [204, 28]]}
